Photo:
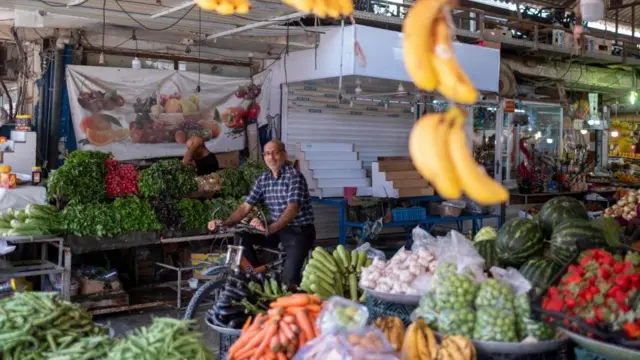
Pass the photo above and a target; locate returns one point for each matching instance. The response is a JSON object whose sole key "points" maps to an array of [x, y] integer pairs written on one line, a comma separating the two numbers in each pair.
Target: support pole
{"points": [[54, 118]]}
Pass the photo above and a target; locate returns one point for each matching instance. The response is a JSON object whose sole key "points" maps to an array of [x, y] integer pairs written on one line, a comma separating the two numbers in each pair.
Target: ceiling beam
{"points": [[257, 25], [173, 9]]}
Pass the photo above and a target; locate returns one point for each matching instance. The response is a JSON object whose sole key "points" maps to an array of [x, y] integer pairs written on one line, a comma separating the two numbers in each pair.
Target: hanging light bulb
{"points": [[101, 59], [590, 122], [615, 133], [351, 103], [400, 88], [413, 109], [633, 96], [386, 104], [136, 63], [529, 129], [583, 132], [596, 122], [549, 141]]}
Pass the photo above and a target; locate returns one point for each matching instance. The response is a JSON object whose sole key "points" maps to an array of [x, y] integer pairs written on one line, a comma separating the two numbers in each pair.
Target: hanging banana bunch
{"points": [[437, 144], [225, 7], [323, 8]]}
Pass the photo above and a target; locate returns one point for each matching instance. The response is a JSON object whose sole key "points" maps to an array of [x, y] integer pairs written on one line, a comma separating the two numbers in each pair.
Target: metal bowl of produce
{"points": [[518, 348], [606, 350], [403, 299]]}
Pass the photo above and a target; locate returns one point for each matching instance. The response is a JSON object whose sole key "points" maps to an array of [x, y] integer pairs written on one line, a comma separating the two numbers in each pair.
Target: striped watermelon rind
{"points": [[566, 236], [487, 249], [518, 241], [540, 272], [486, 233], [558, 210]]}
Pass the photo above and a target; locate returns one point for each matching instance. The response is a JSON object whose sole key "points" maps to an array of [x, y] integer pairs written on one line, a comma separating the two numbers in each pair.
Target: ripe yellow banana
{"points": [[423, 347], [453, 83], [418, 42], [430, 154], [431, 342], [207, 5], [345, 7], [225, 7], [242, 6], [461, 345], [474, 180], [409, 345]]}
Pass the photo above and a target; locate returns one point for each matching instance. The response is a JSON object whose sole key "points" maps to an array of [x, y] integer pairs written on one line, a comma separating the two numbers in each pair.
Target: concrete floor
{"points": [[124, 323]]}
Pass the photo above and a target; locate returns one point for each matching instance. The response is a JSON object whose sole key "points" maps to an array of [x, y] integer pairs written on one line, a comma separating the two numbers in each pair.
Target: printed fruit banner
{"points": [[138, 114]]}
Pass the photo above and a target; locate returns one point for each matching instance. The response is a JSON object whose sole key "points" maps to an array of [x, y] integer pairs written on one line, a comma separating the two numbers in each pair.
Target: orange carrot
{"points": [[243, 342], [248, 344], [246, 325], [289, 319], [281, 356], [293, 300], [275, 313], [314, 308], [295, 328], [271, 330], [302, 339], [305, 324], [284, 340], [286, 329], [275, 343], [270, 355], [293, 309]]}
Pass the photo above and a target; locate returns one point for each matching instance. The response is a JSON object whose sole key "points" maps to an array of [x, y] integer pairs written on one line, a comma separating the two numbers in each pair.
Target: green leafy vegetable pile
{"points": [[170, 176], [95, 219], [194, 213], [80, 179], [237, 182], [135, 214]]}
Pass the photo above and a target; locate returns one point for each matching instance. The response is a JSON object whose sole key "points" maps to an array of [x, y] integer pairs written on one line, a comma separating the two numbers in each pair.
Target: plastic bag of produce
{"points": [[366, 343], [494, 293], [457, 322], [495, 324], [427, 310], [371, 252], [525, 326], [456, 249], [422, 239], [454, 289], [340, 314]]}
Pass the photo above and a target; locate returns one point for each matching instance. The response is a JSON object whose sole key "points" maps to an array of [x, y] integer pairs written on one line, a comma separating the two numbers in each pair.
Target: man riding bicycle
{"points": [[284, 190]]}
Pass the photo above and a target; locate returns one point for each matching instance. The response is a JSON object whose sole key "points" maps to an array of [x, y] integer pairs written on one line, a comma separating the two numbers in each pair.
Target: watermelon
{"points": [[539, 272], [518, 241], [565, 237], [559, 209], [487, 249], [486, 233]]}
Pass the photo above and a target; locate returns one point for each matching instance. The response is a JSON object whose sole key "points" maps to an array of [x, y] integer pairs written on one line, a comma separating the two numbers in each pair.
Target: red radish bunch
{"points": [[601, 288], [121, 179]]}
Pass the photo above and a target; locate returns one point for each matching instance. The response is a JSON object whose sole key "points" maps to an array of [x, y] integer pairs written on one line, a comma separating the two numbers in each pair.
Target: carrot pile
{"points": [[288, 325]]}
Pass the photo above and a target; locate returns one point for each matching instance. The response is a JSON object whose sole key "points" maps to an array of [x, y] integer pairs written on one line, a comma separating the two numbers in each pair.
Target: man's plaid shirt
{"points": [[290, 187]]}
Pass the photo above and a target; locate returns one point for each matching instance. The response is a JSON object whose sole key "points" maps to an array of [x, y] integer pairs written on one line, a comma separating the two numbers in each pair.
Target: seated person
{"points": [[200, 157]]}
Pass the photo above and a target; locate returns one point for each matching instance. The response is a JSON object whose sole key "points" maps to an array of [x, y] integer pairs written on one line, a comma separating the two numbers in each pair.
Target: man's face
{"points": [[274, 157]]}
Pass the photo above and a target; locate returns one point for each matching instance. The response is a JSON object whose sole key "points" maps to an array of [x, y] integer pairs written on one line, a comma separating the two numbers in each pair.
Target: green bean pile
{"points": [[35, 325], [165, 339]]}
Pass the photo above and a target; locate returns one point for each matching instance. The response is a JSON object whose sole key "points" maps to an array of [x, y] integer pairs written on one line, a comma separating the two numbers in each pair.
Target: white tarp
{"points": [[138, 114]]}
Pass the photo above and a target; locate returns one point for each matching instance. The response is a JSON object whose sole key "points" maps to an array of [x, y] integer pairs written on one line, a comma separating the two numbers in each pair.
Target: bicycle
{"points": [[235, 263]]}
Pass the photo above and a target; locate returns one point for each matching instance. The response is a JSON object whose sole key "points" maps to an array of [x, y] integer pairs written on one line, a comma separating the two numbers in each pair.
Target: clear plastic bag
{"points": [[371, 252], [367, 343], [457, 322], [525, 326], [454, 289], [495, 324], [422, 239], [456, 249], [427, 310], [494, 293], [340, 314]]}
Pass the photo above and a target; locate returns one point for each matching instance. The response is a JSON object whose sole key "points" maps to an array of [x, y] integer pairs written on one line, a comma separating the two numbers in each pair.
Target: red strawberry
{"points": [[605, 273], [623, 282], [570, 302], [555, 305], [632, 329], [618, 268], [553, 291]]}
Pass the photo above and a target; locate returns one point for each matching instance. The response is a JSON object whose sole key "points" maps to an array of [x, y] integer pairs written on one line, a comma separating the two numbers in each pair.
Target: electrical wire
{"points": [[104, 21], [152, 29], [199, 38]]}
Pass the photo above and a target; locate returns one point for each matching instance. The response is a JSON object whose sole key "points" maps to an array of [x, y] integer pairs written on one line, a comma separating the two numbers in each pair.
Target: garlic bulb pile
{"points": [[625, 207], [396, 275]]}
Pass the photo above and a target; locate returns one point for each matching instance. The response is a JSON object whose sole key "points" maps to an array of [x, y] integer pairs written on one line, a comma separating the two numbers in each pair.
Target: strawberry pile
{"points": [[601, 289], [121, 179]]}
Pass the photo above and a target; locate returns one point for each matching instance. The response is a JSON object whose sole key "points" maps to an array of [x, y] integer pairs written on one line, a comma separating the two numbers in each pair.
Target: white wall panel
{"points": [[313, 114]]}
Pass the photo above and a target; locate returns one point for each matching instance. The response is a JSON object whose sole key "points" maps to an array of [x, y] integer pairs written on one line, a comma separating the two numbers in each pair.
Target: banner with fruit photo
{"points": [[140, 114]]}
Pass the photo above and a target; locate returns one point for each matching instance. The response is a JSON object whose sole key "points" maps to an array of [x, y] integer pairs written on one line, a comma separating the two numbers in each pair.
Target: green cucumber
{"points": [[354, 260], [336, 256], [321, 275], [325, 253], [322, 284], [353, 287], [320, 291], [317, 266], [362, 258], [338, 282], [344, 256], [325, 260]]}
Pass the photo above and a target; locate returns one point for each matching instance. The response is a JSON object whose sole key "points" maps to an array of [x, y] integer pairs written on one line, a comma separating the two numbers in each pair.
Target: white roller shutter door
{"points": [[313, 114]]}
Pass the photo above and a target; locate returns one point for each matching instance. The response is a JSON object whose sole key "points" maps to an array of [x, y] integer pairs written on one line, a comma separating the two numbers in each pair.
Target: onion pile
{"points": [[625, 207]]}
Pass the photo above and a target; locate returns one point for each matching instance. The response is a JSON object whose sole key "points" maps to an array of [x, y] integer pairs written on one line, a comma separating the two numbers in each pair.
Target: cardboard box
{"points": [[90, 286], [203, 261], [229, 159]]}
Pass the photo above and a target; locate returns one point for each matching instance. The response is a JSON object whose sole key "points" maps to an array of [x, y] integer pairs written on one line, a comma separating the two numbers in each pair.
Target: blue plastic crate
{"points": [[584, 354], [415, 213], [378, 308]]}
